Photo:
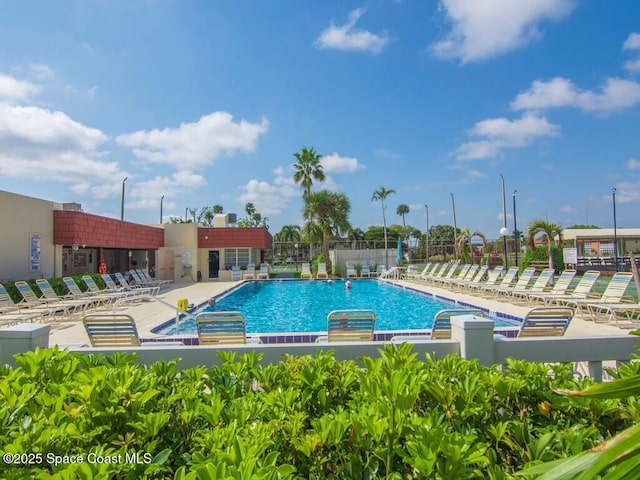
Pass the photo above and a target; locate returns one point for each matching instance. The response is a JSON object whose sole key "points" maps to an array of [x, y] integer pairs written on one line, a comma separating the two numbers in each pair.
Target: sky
{"points": [[206, 102]]}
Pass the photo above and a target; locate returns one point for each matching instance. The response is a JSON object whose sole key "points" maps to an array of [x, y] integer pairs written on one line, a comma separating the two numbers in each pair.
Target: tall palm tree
{"points": [[381, 194], [217, 209], [327, 215], [307, 169], [402, 210], [551, 230]]}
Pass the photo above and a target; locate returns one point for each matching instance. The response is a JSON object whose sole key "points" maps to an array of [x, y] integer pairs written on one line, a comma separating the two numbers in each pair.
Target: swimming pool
{"points": [[303, 306]]}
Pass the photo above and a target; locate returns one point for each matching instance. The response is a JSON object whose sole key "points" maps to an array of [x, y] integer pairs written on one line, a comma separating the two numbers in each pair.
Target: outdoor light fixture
{"points": [[615, 228], [161, 201], [503, 231], [455, 224], [516, 235], [427, 237], [122, 200]]}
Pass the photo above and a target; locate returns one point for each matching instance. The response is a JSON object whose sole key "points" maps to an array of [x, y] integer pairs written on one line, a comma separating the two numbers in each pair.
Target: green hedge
{"points": [[305, 417], [56, 283]]}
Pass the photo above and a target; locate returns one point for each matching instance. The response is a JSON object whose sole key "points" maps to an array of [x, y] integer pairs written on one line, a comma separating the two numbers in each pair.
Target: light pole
{"points": [[615, 228], [161, 201], [516, 235], [427, 237], [122, 200], [455, 224], [296, 247], [503, 231]]}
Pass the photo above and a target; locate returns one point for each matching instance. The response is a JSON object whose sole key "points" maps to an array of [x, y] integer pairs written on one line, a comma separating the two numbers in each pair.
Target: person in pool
{"points": [[211, 302], [347, 285]]}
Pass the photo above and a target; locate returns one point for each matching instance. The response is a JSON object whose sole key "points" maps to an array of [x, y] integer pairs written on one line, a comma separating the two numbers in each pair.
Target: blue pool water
{"points": [[303, 306]]}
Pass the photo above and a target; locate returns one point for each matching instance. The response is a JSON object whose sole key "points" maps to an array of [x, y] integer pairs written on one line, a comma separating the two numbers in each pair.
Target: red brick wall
{"points": [[92, 230], [232, 237]]}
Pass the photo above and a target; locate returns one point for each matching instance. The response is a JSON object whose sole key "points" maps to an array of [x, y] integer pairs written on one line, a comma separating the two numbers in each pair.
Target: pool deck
{"points": [[150, 314]]}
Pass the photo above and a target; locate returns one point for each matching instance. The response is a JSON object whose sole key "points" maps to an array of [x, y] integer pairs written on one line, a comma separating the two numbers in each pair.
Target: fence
{"points": [[471, 337]]}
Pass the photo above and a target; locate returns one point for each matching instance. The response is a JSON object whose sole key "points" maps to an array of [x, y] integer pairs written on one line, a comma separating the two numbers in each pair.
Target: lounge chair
{"points": [[365, 271], [305, 271], [349, 326], [625, 315], [144, 274], [6, 302], [222, 328], [487, 289], [75, 292], [582, 289], [380, 269], [441, 328], [613, 294], [472, 278], [560, 287], [115, 292], [236, 274], [539, 285], [546, 322], [71, 305], [452, 275], [322, 271], [521, 284], [32, 302], [351, 271], [263, 274], [463, 276], [14, 318], [250, 273], [126, 285], [111, 330]]}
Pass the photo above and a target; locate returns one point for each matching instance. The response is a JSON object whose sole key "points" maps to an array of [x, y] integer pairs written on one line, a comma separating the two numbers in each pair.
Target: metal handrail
{"points": [[146, 296]]}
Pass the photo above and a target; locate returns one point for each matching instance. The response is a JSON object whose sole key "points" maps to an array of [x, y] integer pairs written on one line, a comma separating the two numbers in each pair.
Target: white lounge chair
{"points": [[236, 274], [351, 271], [263, 274], [305, 271], [365, 271], [222, 328], [250, 273], [349, 326], [322, 271]]}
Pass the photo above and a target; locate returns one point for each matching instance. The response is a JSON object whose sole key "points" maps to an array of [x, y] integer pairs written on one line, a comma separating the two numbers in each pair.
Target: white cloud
{"points": [[41, 72], [484, 29], [628, 192], [44, 144], [335, 163], [500, 133], [346, 37], [567, 209], [270, 198], [632, 42], [616, 94], [386, 153], [632, 65], [12, 90], [196, 144], [633, 164]]}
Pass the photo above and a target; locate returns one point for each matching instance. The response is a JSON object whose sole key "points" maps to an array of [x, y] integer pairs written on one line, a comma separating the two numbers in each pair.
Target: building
{"points": [[44, 239], [595, 246]]}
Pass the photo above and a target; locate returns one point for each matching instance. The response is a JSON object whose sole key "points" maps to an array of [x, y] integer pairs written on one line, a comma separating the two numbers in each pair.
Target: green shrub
{"points": [[539, 254], [56, 283], [304, 417]]}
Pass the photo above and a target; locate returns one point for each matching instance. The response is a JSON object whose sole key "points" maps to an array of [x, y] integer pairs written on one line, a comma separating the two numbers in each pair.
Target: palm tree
{"points": [[551, 230], [402, 210], [217, 209], [328, 216], [381, 194], [288, 234], [307, 169], [356, 235]]}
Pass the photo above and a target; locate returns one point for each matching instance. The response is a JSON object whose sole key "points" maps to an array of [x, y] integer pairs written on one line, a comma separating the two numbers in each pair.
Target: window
{"points": [[236, 256]]}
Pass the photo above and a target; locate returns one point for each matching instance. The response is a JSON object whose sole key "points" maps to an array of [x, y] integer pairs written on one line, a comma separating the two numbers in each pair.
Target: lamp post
{"points": [[455, 224], [503, 231], [296, 247], [161, 201], [427, 236], [122, 200], [615, 228], [516, 235]]}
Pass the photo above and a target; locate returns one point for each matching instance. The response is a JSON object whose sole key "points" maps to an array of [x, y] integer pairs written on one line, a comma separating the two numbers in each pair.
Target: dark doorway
{"points": [[214, 263]]}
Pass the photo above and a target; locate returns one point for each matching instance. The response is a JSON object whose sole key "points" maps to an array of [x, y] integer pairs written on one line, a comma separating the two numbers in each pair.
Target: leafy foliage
{"points": [[304, 417]]}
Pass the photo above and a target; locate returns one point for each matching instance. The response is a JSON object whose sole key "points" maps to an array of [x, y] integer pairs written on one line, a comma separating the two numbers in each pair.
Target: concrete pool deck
{"points": [[150, 314]]}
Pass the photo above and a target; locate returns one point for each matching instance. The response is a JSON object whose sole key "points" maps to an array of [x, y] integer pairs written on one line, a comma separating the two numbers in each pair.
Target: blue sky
{"points": [[206, 102]]}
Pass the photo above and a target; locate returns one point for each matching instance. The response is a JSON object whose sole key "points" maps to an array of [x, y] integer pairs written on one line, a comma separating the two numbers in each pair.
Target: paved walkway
{"points": [[152, 313]]}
